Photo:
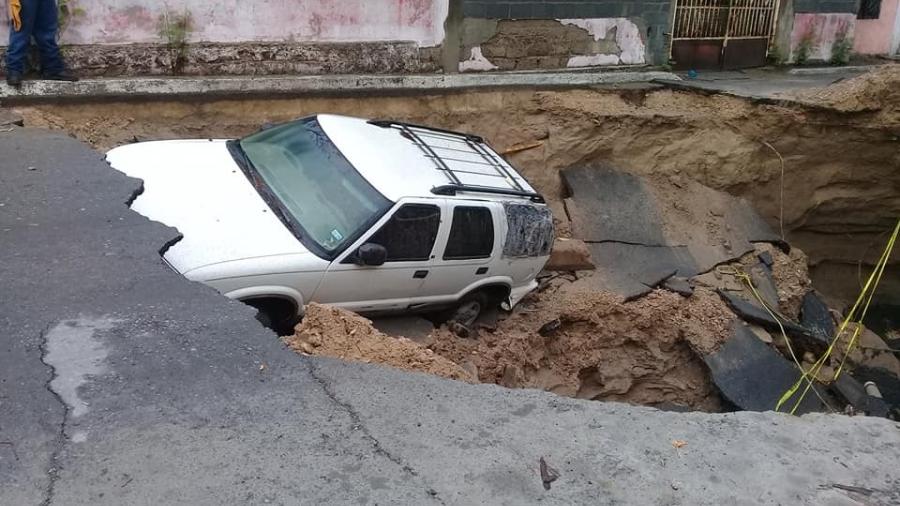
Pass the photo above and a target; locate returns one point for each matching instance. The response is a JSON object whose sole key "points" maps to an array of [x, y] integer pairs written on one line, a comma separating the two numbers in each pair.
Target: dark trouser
{"points": [[39, 20]]}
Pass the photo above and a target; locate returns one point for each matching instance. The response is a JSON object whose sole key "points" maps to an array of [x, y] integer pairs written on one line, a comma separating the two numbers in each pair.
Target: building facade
{"points": [[110, 37]]}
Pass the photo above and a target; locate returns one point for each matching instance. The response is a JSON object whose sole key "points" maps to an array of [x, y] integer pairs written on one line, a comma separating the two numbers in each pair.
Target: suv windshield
{"points": [[310, 184]]}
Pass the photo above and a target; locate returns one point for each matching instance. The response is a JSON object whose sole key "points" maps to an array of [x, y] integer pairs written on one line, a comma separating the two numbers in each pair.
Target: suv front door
{"points": [[408, 234]]}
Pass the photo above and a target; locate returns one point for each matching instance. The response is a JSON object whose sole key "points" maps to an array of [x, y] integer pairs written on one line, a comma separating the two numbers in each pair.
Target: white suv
{"points": [[372, 216]]}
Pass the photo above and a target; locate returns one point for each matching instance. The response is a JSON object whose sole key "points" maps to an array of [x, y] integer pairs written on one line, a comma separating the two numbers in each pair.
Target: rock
{"points": [[679, 285], [877, 353], [766, 258], [549, 329], [762, 334], [470, 368], [570, 255]]}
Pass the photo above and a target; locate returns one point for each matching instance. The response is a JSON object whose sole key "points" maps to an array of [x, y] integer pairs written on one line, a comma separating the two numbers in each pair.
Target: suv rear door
{"points": [[408, 233], [466, 250]]}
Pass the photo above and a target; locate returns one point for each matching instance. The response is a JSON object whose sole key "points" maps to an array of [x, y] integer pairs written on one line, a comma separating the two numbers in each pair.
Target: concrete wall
{"points": [[877, 36], [230, 21], [122, 37], [823, 30], [822, 22], [528, 34]]}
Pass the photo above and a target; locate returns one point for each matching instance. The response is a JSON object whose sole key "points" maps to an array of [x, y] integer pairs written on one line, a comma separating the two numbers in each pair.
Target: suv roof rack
{"points": [[482, 161]]}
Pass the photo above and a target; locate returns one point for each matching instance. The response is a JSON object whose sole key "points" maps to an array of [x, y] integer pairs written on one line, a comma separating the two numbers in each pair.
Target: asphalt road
{"points": [[123, 383]]}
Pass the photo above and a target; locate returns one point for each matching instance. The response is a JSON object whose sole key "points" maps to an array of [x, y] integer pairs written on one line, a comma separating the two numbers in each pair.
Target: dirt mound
{"points": [[591, 345], [876, 90], [583, 344], [338, 333]]}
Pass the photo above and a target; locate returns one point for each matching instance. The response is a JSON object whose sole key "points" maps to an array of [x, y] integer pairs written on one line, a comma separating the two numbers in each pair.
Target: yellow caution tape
{"points": [[864, 300]]}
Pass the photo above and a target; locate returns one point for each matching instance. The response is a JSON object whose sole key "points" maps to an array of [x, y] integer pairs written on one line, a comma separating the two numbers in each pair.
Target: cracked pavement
{"points": [[168, 393]]}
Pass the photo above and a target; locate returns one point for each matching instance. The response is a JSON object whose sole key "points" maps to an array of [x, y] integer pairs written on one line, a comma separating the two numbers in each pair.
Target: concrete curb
{"points": [[93, 89], [800, 71]]}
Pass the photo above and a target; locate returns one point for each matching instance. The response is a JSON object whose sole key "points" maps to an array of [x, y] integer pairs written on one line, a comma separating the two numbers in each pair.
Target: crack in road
{"points": [[359, 425], [61, 439]]}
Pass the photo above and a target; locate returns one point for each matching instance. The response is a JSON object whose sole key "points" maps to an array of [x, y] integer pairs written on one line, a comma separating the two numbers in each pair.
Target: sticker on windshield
{"points": [[337, 235]]}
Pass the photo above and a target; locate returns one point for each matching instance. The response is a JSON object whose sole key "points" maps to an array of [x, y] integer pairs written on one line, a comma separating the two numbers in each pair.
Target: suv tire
{"points": [[469, 308]]}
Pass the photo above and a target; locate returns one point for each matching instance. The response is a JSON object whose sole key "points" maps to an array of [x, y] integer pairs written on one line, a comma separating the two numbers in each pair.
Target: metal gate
{"points": [[727, 34]]}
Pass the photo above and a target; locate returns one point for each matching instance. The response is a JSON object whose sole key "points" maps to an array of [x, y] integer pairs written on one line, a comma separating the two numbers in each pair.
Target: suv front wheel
{"points": [[470, 308]]}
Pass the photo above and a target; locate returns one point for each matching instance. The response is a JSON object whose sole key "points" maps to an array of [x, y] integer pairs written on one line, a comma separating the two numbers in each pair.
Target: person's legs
{"points": [[45, 27], [20, 41]]}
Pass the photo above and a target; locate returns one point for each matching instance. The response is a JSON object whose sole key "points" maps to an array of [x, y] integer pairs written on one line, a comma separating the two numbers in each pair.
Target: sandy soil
{"points": [[875, 91], [638, 352], [338, 333]]}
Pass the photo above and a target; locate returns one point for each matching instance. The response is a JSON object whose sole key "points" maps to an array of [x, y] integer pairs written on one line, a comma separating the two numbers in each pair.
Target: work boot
{"points": [[14, 79], [63, 75]]}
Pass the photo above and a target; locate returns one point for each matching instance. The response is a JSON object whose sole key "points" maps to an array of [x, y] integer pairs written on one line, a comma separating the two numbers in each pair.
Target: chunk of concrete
{"points": [[679, 285], [570, 255], [753, 376], [761, 333], [765, 284], [815, 315], [753, 313]]}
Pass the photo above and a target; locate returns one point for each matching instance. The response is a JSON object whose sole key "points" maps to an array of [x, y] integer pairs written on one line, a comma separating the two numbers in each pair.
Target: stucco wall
{"points": [[823, 30], [228, 21], [876, 36]]}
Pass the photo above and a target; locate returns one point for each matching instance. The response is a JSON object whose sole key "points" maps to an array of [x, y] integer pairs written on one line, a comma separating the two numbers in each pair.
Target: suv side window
{"points": [[410, 234], [471, 235]]}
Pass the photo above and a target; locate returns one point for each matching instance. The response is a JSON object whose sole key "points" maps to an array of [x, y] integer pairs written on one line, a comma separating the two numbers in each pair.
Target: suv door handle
{"points": [[420, 274]]}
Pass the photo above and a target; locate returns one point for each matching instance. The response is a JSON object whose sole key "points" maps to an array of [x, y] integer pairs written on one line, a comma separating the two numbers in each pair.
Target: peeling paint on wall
{"points": [[231, 21], [823, 30], [631, 46], [476, 62], [524, 44], [593, 60]]}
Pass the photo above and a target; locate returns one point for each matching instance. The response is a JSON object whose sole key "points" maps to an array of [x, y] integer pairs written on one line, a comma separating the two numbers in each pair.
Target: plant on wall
{"points": [[67, 10], [176, 29], [805, 48], [842, 48]]}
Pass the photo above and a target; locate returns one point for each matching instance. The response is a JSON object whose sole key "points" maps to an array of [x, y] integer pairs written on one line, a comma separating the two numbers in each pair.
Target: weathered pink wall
{"points": [[876, 36], [825, 30], [134, 21]]}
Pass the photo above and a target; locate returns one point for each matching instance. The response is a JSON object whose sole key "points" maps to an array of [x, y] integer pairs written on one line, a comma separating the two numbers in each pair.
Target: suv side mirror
{"points": [[371, 254]]}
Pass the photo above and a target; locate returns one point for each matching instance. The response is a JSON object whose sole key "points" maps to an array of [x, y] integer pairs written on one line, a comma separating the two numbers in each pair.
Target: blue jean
{"points": [[39, 20]]}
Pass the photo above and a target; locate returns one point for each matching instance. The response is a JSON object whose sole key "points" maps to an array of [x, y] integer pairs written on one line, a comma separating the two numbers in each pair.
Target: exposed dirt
{"points": [[638, 352], [874, 91], [791, 274], [841, 179], [603, 348], [338, 333]]}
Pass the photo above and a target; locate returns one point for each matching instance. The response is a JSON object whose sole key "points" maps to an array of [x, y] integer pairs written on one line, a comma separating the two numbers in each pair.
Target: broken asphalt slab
{"points": [[177, 396], [753, 376], [640, 232]]}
